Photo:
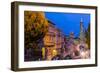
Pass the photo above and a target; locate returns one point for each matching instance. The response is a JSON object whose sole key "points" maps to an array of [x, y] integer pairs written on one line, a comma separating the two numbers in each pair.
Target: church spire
{"points": [[81, 25], [81, 20], [82, 32]]}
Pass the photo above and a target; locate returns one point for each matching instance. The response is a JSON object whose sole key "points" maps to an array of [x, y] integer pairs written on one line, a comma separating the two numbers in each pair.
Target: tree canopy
{"points": [[36, 26]]}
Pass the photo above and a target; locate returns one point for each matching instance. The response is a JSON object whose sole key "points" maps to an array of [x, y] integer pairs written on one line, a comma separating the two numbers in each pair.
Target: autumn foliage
{"points": [[36, 26]]}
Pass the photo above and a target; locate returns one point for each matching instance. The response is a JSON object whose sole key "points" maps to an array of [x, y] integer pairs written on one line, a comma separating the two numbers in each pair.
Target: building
{"points": [[53, 41], [82, 32], [77, 46]]}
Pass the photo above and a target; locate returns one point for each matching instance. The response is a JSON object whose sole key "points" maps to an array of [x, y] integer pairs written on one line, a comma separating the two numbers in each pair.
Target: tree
{"points": [[88, 36], [36, 26]]}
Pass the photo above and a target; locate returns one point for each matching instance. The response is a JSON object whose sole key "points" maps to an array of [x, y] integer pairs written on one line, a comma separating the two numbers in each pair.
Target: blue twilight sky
{"points": [[68, 22]]}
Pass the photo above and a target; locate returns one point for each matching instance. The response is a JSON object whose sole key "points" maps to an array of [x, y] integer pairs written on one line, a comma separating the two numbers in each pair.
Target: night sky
{"points": [[68, 22]]}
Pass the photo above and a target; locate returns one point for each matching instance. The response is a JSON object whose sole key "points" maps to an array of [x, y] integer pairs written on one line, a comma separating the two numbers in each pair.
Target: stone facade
{"points": [[53, 41]]}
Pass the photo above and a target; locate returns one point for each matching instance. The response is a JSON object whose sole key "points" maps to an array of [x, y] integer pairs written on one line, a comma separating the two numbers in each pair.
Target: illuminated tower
{"points": [[82, 31]]}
